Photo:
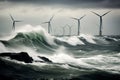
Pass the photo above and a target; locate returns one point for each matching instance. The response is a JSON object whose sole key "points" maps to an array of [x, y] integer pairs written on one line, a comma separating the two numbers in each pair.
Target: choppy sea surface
{"points": [[83, 57]]}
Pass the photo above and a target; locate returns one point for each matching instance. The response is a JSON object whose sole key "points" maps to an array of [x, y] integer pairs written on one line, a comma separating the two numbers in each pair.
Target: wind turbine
{"points": [[14, 22], [101, 21], [63, 28], [78, 19], [70, 29], [49, 24]]}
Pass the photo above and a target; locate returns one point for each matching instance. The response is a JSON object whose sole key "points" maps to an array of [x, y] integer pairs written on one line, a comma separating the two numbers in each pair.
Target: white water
{"points": [[62, 54], [89, 38]]}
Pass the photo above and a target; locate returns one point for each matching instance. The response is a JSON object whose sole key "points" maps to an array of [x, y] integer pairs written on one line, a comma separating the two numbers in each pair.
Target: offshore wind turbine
{"points": [[79, 19], [49, 24], [63, 28], [14, 22], [70, 29], [101, 21]]}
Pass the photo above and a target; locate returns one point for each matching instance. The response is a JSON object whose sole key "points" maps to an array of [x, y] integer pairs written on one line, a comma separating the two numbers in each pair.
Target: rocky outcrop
{"points": [[45, 59], [22, 56]]}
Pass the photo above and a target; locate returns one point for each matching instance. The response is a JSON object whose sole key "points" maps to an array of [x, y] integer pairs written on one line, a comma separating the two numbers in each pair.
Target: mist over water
{"points": [[82, 57]]}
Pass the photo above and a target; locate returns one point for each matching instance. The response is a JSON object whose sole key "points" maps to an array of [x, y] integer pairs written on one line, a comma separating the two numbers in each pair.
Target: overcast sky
{"points": [[34, 12]]}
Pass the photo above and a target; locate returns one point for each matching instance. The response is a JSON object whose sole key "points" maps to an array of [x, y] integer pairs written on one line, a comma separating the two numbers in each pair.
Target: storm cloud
{"points": [[35, 12], [74, 3]]}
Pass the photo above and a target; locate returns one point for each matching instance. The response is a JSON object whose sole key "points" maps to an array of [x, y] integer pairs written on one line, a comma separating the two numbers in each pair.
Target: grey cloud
{"points": [[74, 3]]}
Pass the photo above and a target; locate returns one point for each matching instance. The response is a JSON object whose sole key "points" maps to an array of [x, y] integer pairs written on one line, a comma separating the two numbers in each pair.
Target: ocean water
{"points": [[84, 57]]}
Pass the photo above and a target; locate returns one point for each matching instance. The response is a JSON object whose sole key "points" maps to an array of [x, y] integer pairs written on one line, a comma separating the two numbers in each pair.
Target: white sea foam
{"points": [[89, 38], [72, 40], [36, 29], [2, 48], [63, 55]]}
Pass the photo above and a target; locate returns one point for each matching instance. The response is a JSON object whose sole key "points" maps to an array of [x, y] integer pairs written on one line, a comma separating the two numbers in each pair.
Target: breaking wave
{"points": [[72, 56]]}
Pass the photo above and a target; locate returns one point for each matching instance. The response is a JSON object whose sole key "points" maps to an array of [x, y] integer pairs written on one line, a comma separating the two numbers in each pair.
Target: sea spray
{"points": [[74, 56]]}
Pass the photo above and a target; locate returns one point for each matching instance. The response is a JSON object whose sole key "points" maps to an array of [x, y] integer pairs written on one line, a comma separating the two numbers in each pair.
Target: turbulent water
{"points": [[83, 57]]}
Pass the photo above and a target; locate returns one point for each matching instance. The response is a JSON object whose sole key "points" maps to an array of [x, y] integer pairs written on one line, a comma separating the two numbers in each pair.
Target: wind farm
{"points": [[59, 40], [49, 25]]}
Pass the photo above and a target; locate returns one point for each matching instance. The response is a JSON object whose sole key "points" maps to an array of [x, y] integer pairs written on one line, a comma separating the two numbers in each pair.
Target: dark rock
{"points": [[22, 56], [45, 59], [109, 39]]}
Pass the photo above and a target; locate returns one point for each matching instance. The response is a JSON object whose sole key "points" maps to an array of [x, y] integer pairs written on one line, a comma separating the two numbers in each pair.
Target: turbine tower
{"points": [[70, 29], [101, 21], [63, 30], [49, 24], [14, 22], [78, 19]]}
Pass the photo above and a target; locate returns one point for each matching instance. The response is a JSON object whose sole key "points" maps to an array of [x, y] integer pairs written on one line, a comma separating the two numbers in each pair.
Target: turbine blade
{"points": [[11, 17], [69, 26], [45, 22], [82, 17], [106, 13], [74, 18], [95, 13], [17, 21], [51, 18]]}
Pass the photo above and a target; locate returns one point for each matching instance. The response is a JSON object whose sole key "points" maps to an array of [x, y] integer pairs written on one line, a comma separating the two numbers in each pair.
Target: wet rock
{"points": [[45, 59], [22, 56], [109, 39]]}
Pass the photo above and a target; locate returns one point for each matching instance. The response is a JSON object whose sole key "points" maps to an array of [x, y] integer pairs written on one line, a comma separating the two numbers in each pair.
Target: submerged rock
{"points": [[22, 56], [109, 39], [45, 59]]}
